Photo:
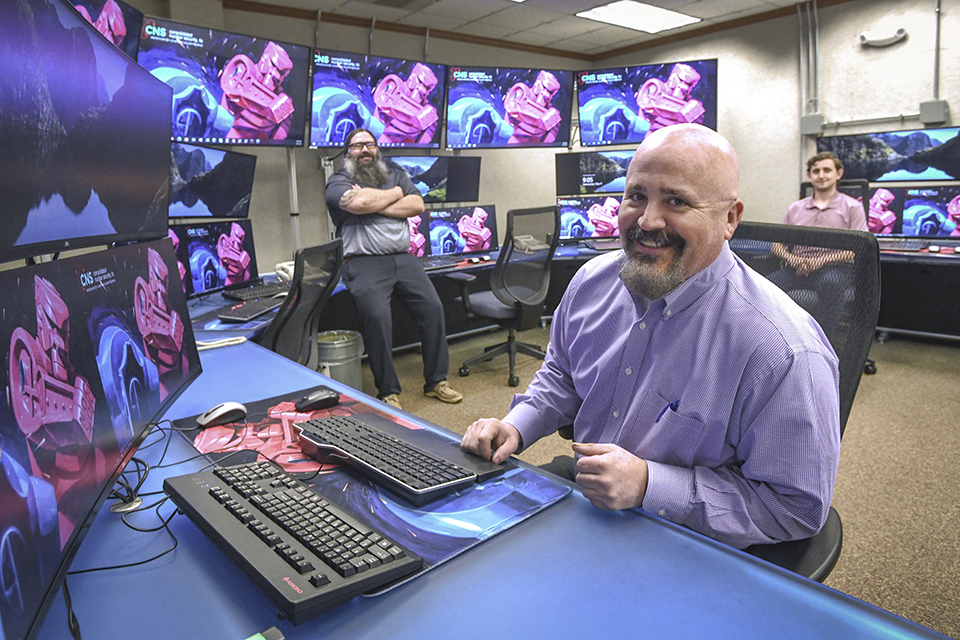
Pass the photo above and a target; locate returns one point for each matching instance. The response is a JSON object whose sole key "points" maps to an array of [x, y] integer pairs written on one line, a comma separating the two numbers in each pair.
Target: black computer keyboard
{"points": [[251, 292], [307, 554], [604, 244], [431, 263], [248, 310], [415, 474], [902, 244]]}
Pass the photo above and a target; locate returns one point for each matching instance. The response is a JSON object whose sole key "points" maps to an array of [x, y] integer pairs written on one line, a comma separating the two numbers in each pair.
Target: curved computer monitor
{"points": [[85, 131], [116, 20], [399, 101], [898, 156], [228, 88], [621, 105], [210, 183], [490, 107], [99, 346]]}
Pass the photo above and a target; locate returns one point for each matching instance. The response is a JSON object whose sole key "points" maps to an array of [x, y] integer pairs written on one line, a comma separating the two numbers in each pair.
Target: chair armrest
{"points": [[463, 281]]}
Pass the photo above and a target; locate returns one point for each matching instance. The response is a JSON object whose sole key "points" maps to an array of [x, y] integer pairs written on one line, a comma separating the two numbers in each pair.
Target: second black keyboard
{"points": [[416, 475], [262, 290], [306, 553], [249, 310]]}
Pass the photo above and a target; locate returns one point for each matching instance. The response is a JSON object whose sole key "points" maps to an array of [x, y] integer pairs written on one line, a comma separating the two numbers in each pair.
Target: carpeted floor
{"points": [[898, 487]]}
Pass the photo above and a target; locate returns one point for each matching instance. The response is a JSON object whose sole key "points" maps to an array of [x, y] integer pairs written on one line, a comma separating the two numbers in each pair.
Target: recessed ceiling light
{"points": [[638, 16], [519, 0]]}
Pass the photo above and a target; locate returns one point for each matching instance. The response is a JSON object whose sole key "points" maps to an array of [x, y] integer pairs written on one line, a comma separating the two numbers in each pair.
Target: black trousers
{"points": [[372, 281]]}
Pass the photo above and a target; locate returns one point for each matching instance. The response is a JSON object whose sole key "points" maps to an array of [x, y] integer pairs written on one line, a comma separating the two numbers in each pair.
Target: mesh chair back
{"points": [[521, 276], [293, 332], [845, 301]]}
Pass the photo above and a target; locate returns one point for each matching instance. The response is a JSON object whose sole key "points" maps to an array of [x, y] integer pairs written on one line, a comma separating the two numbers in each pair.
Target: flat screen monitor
{"points": [[228, 88], [460, 230], [898, 156], [116, 20], [398, 101], [592, 172], [85, 136], [443, 178], [923, 212], [215, 255], [209, 183], [621, 105], [588, 217], [490, 107], [98, 348]]}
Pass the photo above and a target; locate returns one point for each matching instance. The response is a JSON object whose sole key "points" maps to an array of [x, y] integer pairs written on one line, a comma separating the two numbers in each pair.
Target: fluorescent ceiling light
{"points": [[638, 16]]}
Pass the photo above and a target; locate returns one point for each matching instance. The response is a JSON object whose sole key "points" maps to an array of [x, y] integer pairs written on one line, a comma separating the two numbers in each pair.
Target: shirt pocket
{"points": [[662, 433]]}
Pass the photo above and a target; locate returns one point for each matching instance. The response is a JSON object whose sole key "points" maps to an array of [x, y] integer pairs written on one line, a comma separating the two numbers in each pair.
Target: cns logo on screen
{"points": [[151, 30]]}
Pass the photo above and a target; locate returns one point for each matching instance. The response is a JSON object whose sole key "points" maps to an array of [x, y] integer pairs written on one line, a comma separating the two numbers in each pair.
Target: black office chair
{"points": [[293, 331], [851, 337], [518, 284], [859, 189]]}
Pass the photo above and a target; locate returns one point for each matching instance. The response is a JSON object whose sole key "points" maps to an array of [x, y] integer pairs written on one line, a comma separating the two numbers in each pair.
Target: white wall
{"points": [[759, 101]]}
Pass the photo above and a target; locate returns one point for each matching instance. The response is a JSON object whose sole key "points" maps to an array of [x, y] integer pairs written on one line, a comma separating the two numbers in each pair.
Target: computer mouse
{"points": [[223, 413], [319, 398], [933, 248], [473, 260]]}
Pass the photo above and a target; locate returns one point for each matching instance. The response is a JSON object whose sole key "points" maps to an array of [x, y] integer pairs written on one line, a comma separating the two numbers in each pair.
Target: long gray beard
{"points": [[374, 174]]}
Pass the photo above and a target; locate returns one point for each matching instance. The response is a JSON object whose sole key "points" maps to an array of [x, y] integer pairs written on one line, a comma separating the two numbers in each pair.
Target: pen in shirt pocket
{"points": [[671, 406]]}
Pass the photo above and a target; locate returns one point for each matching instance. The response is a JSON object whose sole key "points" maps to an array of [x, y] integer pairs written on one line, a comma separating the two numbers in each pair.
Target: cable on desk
{"points": [[204, 345], [72, 623]]}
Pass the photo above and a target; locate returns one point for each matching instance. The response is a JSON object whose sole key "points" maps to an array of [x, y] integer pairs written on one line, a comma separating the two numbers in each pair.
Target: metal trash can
{"points": [[338, 356]]}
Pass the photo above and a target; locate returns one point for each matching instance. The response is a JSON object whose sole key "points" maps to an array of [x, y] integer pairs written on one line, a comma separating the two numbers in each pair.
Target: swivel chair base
{"points": [[511, 347]]}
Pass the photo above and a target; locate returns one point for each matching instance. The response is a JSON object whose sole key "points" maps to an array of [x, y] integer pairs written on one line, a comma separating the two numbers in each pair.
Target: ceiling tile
{"points": [[466, 10], [716, 8], [567, 27], [441, 23], [484, 30], [367, 10], [520, 16]]}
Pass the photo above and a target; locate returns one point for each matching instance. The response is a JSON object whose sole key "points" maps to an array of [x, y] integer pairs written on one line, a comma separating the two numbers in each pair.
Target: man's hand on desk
{"points": [[611, 477], [491, 439]]}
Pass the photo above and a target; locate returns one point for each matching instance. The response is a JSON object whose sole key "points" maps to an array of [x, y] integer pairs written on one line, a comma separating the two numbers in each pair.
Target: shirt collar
{"points": [[699, 283]]}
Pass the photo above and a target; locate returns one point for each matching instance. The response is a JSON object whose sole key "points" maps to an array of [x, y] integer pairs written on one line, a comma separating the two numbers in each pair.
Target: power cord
{"points": [[204, 345]]}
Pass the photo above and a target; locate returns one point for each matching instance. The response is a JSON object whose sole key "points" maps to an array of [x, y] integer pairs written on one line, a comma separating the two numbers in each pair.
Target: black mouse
{"points": [[319, 398]]}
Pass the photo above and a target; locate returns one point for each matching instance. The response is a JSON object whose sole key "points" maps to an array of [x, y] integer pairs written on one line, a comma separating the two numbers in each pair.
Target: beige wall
{"points": [[759, 100]]}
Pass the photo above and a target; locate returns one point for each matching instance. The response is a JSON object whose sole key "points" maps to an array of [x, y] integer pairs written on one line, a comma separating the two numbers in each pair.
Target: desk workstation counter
{"points": [[569, 571]]}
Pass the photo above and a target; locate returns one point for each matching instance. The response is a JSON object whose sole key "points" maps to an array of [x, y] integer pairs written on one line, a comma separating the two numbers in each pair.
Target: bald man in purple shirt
{"points": [[697, 389]]}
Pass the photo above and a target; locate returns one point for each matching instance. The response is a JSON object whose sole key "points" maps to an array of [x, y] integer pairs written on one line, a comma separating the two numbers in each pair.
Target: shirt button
{"points": [[616, 414], [629, 371], [668, 313], [662, 512], [643, 325]]}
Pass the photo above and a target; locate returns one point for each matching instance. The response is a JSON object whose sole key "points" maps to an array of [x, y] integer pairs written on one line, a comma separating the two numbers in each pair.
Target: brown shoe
{"points": [[444, 393], [393, 400]]}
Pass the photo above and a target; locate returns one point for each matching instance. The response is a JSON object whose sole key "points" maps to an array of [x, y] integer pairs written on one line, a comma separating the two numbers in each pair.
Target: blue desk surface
{"points": [[570, 571]]}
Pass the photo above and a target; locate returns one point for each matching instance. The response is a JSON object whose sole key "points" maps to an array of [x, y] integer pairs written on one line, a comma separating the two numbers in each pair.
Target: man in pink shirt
{"points": [[808, 270]]}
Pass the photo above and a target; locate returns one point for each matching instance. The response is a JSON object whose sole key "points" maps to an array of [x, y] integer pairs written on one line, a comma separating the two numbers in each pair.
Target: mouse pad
{"points": [[437, 532]]}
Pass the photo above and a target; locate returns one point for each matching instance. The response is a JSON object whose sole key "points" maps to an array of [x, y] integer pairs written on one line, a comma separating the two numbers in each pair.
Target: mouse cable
{"points": [[204, 345], [165, 525], [72, 623]]}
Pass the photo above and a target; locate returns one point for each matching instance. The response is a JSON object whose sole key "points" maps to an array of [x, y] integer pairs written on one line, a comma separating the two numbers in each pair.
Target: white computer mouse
{"points": [[223, 413]]}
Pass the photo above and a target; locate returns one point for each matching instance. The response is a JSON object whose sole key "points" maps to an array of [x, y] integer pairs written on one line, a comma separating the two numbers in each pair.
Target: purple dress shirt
{"points": [[842, 212], [726, 387]]}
